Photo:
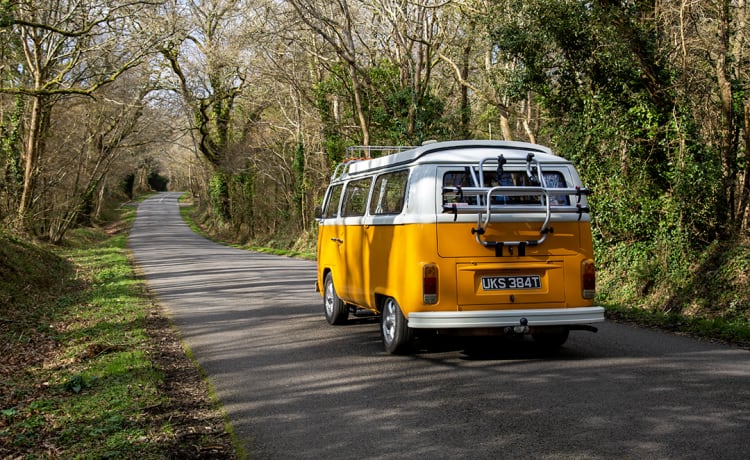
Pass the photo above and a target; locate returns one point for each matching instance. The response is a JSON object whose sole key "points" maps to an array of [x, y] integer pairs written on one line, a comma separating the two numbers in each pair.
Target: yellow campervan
{"points": [[462, 236]]}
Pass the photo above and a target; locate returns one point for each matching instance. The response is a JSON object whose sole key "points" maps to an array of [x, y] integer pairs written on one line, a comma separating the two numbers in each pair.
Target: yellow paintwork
{"points": [[371, 261]]}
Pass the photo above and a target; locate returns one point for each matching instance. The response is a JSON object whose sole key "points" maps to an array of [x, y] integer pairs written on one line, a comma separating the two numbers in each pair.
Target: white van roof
{"points": [[456, 152]]}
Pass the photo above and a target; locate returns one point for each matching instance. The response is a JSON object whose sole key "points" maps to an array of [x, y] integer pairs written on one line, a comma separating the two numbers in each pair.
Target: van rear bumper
{"points": [[503, 318]]}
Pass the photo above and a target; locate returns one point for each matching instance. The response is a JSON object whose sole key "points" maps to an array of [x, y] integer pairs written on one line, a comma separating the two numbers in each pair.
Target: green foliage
{"points": [[334, 140], [11, 132], [76, 383], [552, 40], [651, 175], [6, 13], [218, 193], [242, 196], [396, 114], [29, 275], [596, 69], [403, 117], [335, 87], [157, 182], [734, 331], [335, 149], [127, 184]]}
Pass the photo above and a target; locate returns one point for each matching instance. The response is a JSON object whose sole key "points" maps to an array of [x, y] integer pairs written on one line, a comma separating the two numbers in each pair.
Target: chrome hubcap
{"points": [[329, 299], [389, 320]]}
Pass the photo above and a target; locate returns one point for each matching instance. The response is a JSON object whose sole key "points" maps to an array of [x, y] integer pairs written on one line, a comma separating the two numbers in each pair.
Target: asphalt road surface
{"points": [[295, 387]]}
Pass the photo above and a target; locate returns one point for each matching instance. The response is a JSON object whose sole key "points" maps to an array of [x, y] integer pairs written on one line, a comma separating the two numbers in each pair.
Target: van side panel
{"points": [[375, 260], [355, 250], [330, 253], [397, 255]]}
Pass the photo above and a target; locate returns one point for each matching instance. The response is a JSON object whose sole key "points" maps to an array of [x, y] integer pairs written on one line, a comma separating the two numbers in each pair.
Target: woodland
{"points": [[249, 104]]}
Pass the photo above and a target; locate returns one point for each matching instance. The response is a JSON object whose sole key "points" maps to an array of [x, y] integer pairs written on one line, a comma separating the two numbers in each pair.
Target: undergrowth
{"points": [[302, 246], [703, 291]]}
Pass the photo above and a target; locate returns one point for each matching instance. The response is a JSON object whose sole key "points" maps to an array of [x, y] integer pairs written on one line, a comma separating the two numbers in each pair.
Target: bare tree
{"points": [[707, 42], [209, 58], [417, 30], [336, 24], [70, 49], [479, 68]]}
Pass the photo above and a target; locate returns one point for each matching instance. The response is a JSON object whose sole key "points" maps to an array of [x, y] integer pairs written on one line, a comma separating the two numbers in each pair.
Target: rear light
{"points": [[588, 275], [429, 283]]}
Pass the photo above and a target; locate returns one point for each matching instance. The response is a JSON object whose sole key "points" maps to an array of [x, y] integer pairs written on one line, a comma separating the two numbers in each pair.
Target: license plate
{"points": [[499, 283]]}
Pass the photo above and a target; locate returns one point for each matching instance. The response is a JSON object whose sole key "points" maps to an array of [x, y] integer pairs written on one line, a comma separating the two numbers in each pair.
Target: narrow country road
{"points": [[295, 387]]}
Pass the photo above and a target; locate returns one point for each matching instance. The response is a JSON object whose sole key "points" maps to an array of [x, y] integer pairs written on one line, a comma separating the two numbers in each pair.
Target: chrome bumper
{"points": [[503, 318]]}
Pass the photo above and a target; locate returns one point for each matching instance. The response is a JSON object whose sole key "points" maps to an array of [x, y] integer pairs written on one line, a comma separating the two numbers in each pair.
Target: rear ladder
{"points": [[488, 200]]}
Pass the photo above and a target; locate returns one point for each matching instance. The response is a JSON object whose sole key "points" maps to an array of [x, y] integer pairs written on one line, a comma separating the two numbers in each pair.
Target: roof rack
{"points": [[374, 151], [364, 152]]}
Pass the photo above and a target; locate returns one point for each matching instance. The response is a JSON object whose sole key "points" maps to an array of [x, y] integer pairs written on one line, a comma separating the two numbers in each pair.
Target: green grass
{"points": [[736, 331], [79, 381]]}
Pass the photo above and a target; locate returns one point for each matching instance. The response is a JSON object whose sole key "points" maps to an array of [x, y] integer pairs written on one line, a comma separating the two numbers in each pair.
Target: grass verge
{"points": [[303, 249], [736, 332], [91, 369], [703, 292]]}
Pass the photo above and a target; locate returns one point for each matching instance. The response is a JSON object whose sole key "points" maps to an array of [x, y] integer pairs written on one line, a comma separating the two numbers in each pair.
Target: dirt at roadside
{"points": [[199, 426]]}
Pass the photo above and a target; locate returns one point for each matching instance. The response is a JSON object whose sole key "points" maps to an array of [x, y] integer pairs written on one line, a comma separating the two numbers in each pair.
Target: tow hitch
{"points": [[522, 328]]}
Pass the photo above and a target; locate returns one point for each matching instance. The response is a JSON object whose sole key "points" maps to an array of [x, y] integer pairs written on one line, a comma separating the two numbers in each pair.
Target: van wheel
{"points": [[394, 328], [553, 339], [337, 312]]}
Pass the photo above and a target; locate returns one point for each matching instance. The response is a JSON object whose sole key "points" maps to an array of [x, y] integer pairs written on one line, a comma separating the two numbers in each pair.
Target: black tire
{"points": [[552, 339], [394, 328], [336, 311]]}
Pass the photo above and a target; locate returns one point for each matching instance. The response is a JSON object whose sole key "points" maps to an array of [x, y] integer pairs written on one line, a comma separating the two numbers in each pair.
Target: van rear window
{"points": [[464, 178]]}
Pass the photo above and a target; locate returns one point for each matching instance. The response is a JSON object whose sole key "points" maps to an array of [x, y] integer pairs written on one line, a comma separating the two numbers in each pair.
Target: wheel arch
{"points": [[323, 274], [379, 299]]}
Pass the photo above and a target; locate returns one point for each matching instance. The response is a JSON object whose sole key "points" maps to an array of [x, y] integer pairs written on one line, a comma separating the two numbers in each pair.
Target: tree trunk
{"points": [[505, 123], [465, 131], [34, 145], [358, 104], [527, 119], [726, 128], [743, 211]]}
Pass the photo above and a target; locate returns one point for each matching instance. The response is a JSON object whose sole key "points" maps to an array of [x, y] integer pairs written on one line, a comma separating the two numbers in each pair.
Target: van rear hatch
{"points": [[486, 279], [456, 240], [483, 284]]}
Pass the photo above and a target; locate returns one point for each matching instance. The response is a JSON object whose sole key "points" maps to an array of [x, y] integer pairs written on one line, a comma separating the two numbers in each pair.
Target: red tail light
{"points": [[429, 283], [588, 275]]}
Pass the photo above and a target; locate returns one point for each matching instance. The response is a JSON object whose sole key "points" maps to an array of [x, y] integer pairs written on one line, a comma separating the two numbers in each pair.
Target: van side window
{"points": [[355, 198], [332, 205], [388, 194]]}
